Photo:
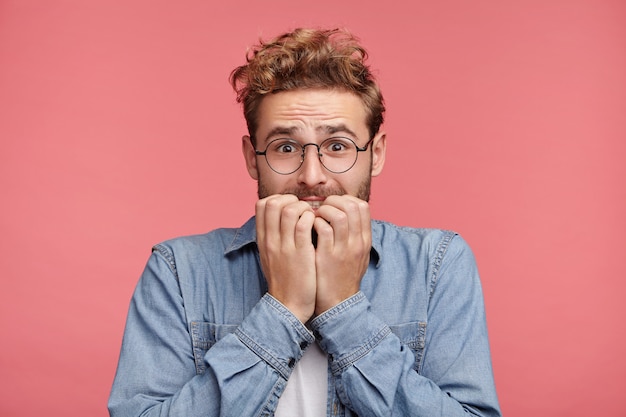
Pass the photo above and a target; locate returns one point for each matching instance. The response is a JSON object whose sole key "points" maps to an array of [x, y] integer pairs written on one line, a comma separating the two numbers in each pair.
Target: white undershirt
{"points": [[307, 388]]}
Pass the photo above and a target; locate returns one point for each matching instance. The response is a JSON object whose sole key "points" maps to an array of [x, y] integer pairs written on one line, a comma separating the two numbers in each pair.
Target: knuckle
{"points": [[341, 217], [326, 233], [302, 227], [352, 206], [272, 204], [267, 251], [291, 211]]}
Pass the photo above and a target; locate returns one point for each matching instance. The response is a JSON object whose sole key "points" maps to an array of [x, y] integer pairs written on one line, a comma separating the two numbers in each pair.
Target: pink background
{"points": [[506, 122]]}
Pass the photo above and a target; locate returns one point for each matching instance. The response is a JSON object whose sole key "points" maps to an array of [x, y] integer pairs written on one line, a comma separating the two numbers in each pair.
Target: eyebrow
{"points": [[282, 131], [327, 129], [338, 128]]}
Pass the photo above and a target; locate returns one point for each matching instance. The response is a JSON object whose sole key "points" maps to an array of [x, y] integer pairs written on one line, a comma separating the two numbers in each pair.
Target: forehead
{"points": [[311, 114]]}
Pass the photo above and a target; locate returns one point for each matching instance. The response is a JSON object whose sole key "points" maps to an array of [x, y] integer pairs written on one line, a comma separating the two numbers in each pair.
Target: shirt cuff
{"points": [[273, 333], [348, 331]]}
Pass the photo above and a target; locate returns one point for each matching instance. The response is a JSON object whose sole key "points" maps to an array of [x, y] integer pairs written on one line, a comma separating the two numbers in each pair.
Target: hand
{"points": [[343, 249], [284, 225]]}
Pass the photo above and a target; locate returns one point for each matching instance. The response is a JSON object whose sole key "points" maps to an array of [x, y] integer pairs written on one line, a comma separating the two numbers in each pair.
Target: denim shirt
{"points": [[204, 338]]}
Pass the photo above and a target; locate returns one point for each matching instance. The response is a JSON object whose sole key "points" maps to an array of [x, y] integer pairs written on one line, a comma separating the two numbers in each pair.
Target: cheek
{"points": [[350, 182], [271, 182], [357, 181]]}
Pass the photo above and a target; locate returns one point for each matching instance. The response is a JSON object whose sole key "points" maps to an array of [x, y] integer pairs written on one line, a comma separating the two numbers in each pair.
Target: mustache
{"points": [[315, 192]]}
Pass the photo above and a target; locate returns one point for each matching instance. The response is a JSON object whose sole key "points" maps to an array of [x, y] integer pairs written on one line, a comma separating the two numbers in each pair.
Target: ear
{"points": [[249, 154], [379, 148]]}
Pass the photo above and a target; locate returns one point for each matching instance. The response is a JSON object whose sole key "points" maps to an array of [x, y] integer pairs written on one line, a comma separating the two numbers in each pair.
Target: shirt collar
{"points": [[246, 235]]}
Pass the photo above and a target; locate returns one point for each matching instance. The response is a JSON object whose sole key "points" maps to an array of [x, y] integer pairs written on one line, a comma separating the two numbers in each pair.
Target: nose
{"points": [[312, 172]]}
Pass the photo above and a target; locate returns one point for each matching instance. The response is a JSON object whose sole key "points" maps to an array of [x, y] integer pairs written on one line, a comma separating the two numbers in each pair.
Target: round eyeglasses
{"points": [[337, 154]]}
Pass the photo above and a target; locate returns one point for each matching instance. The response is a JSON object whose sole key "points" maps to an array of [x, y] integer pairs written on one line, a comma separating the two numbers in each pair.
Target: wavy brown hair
{"points": [[307, 58]]}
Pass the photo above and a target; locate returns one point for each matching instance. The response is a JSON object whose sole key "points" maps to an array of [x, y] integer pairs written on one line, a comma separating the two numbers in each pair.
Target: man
{"points": [[310, 308]]}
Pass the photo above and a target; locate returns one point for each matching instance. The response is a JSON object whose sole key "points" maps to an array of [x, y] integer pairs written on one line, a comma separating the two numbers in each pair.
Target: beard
{"points": [[362, 193]]}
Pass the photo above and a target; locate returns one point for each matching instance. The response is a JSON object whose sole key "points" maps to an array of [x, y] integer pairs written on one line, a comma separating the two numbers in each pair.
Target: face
{"points": [[311, 116]]}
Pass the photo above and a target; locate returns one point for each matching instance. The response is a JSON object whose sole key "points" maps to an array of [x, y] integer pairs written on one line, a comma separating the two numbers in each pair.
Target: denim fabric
{"points": [[203, 338]]}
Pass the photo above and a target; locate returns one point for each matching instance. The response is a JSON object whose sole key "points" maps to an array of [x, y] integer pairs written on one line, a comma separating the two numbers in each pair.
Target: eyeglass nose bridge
{"points": [[319, 150], [303, 154]]}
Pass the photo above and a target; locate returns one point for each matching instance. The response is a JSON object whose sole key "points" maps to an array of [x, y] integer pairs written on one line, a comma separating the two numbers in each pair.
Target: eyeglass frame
{"points": [[319, 153]]}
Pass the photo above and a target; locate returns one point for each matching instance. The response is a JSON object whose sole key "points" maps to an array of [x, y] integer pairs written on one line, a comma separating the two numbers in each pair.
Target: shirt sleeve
{"points": [[374, 372], [246, 371]]}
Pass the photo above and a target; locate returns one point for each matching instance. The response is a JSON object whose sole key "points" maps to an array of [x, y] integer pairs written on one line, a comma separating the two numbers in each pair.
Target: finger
{"points": [[362, 221], [366, 221], [260, 219], [336, 221], [349, 217], [269, 217], [359, 216], [325, 233], [290, 216], [273, 210], [303, 229]]}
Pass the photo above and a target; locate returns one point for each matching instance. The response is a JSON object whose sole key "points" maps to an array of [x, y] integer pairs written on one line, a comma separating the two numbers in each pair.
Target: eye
{"points": [[336, 146], [285, 146]]}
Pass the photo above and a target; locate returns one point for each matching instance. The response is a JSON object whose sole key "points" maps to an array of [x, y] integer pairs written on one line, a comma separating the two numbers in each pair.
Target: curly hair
{"points": [[307, 58]]}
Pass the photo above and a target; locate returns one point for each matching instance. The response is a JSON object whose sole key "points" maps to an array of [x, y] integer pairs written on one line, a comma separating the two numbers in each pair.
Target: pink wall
{"points": [[506, 122]]}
